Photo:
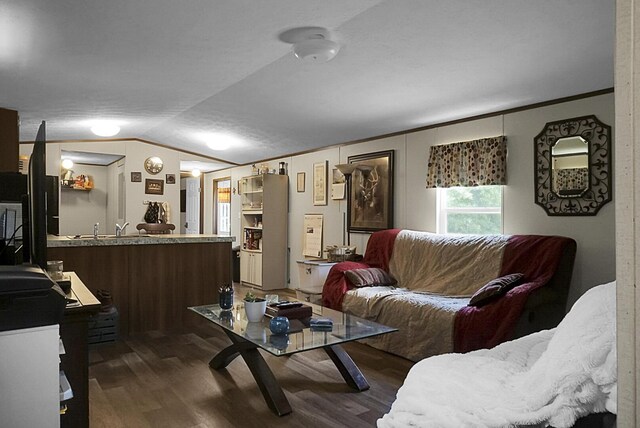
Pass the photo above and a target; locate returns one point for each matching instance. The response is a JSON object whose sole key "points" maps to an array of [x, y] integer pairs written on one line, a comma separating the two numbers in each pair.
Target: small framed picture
{"points": [[136, 177], [320, 183], [300, 177], [153, 186], [171, 178]]}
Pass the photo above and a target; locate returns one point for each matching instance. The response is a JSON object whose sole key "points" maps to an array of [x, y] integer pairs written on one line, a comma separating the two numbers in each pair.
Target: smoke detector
{"points": [[311, 44]]}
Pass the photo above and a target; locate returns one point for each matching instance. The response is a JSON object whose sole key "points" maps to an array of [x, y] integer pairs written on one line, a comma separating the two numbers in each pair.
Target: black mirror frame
{"points": [[598, 137]]}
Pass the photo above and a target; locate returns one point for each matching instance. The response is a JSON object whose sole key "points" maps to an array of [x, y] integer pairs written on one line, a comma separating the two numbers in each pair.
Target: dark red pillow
{"points": [[495, 288], [369, 277]]}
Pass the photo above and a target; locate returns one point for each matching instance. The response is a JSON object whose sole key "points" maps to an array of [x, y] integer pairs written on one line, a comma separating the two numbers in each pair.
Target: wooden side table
{"points": [[75, 361]]}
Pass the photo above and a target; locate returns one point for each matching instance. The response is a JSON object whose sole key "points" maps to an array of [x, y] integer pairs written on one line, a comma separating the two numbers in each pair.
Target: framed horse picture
{"points": [[370, 200]]}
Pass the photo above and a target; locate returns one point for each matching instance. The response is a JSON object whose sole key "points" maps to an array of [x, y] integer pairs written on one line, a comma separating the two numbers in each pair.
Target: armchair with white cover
{"points": [[553, 377]]}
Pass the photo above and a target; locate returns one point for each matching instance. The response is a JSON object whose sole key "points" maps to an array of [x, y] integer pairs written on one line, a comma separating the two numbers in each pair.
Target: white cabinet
{"points": [[251, 268], [30, 377], [263, 259]]}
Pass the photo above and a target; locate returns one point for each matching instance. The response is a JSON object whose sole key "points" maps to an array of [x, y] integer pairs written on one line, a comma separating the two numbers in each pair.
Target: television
{"points": [[37, 201]]}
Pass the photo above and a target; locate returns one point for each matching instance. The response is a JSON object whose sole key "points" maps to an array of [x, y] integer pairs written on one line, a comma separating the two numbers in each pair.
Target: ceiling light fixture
{"points": [[196, 172], [67, 163], [219, 140], [311, 44], [316, 49], [105, 128]]}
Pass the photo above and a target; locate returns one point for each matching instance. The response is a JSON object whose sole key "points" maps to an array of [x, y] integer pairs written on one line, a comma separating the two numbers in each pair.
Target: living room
{"points": [[127, 379]]}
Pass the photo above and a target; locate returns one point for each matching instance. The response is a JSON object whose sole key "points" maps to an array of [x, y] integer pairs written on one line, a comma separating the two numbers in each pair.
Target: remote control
{"points": [[288, 305]]}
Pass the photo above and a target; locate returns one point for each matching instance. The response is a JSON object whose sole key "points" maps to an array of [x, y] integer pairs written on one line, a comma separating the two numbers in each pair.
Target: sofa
{"points": [[432, 278], [562, 377]]}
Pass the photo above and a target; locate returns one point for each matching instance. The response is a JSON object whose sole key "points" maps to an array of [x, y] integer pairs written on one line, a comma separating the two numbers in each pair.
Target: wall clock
{"points": [[153, 165]]}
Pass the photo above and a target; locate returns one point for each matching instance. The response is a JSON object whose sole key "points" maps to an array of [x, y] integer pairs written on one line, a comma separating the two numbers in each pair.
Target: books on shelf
{"points": [[252, 239]]}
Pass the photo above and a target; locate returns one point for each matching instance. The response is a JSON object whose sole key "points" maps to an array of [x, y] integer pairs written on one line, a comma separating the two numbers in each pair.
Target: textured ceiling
{"points": [[172, 71]]}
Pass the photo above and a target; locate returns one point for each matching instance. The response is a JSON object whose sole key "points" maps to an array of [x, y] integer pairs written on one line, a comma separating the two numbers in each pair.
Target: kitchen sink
{"points": [[142, 235]]}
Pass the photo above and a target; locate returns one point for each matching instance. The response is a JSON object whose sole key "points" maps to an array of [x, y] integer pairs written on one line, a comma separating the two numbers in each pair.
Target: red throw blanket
{"points": [[477, 328], [377, 254]]}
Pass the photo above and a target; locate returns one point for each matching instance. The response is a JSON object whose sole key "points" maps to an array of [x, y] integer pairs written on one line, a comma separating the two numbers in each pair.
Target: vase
{"points": [[226, 299], [255, 310], [279, 325]]}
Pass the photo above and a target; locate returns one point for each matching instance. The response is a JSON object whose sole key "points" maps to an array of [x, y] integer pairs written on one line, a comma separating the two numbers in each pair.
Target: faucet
{"points": [[95, 230], [120, 229]]}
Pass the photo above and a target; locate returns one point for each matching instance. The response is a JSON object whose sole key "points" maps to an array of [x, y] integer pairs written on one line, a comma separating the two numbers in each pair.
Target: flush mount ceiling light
{"points": [[67, 163], [196, 172], [311, 44], [316, 50], [105, 128], [219, 140]]}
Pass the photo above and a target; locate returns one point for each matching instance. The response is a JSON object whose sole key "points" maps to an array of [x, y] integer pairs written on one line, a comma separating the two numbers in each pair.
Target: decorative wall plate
{"points": [[153, 165]]}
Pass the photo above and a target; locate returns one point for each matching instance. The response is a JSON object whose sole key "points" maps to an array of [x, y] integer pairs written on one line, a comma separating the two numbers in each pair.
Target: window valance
{"points": [[567, 179], [470, 163]]}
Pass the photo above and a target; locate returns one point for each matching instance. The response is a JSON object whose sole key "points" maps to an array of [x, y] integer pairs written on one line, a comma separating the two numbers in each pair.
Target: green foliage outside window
{"points": [[474, 197], [479, 224]]}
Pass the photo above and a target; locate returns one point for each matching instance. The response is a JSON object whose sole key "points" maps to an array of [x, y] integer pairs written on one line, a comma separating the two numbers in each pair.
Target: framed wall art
{"points": [[320, 183], [136, 177], [300, 182], [153, 186], [370, 200], [171, 178]]}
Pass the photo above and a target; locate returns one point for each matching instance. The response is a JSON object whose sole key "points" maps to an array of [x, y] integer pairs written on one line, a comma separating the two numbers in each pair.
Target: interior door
{"points": [[192, 223]]}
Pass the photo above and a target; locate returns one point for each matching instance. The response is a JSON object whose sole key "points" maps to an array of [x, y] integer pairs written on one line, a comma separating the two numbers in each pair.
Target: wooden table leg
{"points": [[228, 354], [269, 387], [348, 369]]}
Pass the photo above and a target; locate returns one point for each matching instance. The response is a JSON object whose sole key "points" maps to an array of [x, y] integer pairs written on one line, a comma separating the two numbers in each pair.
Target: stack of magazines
{"points": [[321, 324]]}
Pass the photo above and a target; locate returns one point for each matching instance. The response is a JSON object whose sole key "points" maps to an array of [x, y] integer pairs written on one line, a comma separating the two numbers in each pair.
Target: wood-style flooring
{"points": [[159, 379]]}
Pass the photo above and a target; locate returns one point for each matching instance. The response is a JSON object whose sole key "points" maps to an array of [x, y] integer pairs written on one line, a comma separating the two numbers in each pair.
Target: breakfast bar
{"points": [[152, 278]]}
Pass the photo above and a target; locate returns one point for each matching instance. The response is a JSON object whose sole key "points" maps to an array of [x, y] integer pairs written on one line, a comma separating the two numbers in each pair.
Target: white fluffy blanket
{"points": [[551, 377]]}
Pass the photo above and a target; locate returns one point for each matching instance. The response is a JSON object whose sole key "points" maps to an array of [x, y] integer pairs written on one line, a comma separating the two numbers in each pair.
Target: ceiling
{"points": [[175, 72]]}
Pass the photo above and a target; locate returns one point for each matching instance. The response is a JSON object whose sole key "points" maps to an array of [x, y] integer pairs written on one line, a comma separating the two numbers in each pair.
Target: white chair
{"points": [[550, 378]]}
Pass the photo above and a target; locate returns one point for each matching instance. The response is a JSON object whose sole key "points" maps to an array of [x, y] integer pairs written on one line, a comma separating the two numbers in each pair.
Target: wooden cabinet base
{"points": [[152, 285]]}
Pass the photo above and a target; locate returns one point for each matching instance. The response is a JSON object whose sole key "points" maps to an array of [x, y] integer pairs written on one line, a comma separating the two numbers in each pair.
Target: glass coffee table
{"points": [[247, 338]]}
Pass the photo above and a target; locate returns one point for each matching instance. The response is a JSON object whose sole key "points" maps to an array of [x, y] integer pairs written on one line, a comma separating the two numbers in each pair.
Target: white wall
{"points": [[627, 87], [135, 153], [80, 210], [415, 207]]}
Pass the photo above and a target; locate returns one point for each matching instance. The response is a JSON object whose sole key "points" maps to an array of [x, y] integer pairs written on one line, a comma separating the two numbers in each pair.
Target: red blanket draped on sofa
{"points": [[475, 327], [378, 254]]}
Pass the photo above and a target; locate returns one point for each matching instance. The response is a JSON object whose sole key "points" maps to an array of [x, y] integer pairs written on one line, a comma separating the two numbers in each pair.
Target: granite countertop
{"points": [[135, 239]]}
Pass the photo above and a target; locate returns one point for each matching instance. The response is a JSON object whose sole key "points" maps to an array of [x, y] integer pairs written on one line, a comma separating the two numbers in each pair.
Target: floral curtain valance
{"points": [[470, 163], [571, 179]]}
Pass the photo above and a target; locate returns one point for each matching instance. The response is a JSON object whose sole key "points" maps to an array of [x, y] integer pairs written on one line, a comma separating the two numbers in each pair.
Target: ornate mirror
{"points": [[573, 166]]}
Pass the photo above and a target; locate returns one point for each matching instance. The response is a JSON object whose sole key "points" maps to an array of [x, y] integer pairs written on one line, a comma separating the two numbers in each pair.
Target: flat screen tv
{"points": [[37, 198]]}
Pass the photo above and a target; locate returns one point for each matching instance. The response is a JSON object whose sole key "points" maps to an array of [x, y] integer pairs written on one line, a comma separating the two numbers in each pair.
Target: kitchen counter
{"points": [[151, 284], [135, 239]]}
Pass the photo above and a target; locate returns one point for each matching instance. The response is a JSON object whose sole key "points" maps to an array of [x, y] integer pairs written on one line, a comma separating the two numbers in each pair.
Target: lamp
{"points": [[347, 169]]}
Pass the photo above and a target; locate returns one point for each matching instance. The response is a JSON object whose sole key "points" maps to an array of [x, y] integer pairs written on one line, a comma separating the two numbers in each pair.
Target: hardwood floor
{"points": [[158, 379]]}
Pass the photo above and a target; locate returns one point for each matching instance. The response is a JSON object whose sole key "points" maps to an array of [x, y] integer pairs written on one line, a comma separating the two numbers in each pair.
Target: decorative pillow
{"points": [[369, 277], [495, 288]]}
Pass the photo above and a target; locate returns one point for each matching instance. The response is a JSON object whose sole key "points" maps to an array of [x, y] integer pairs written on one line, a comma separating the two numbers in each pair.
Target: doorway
{"points": [[190, 209]]}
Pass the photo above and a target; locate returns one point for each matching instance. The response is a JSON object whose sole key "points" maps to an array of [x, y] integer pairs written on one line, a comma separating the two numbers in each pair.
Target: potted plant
{"points": [[255, 307]]}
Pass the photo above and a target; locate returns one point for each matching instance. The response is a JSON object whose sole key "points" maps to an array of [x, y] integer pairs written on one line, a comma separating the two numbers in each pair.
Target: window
{"points": [[474, 210], [222, 204]]}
